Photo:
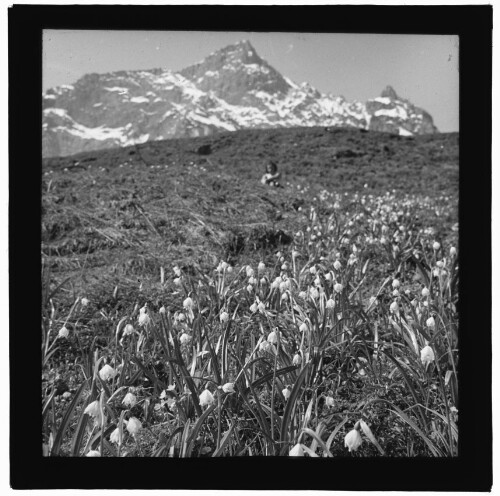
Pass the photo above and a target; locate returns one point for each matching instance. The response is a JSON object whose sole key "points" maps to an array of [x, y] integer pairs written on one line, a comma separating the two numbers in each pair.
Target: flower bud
{"points": [[228, 387], [206, 398], [261, 267], [312, 270], [143, 319], [262, 307], [395, 293], [63, 332], [107, 372], [338, 287], [134, 426], [93, 453], [163, 309], [453, 251], [224, 317], [284, 297], [249, 271], [426, 355], [177, 281], [249, 288], [130, 400], [330, 303], [394, 308], [297, 359], [84, 302], [254, 307], [425, 292], [273, 337], [286, 393], [396, 283], [303, 327], [353, 440], [297, 450], [436, 246], [314, 293], [337, 265], [115, 437], [188, 303], [431, 323]]}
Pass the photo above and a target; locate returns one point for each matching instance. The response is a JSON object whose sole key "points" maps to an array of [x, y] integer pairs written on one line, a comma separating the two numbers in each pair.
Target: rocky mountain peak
{"points": [[232, 88], [389, 92]]}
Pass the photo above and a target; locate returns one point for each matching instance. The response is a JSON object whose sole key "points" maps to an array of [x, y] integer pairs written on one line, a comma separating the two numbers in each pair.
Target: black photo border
{"points": [[470, 471]]}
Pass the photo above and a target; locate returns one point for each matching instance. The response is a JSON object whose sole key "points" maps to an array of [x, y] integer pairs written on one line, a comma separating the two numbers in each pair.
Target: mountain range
{"points": [[231, 89]]}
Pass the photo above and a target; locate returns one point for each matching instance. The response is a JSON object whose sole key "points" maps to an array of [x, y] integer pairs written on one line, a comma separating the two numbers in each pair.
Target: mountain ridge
{"points": [[232, 88]]}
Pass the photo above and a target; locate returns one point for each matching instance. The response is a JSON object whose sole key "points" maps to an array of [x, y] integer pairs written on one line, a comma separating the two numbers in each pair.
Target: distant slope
{"points": [[232, 89]]}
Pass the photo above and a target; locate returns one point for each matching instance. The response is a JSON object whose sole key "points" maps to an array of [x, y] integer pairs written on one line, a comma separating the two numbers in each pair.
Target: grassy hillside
{"points": [[123, 213], [115, 223]]}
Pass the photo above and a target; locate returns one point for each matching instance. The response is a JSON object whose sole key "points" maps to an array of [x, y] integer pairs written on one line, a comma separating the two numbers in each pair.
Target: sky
{"points": [[421, 68]]}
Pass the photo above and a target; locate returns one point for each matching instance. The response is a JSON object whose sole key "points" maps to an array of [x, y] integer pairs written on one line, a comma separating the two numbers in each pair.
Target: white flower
{"points": [[314, 293], [177, 281], [338, 287], [328, 276], [250, 271], [115, 437], [185, 338], [312, 270], [284, 297], [261, 267], [84, 302], [330, 303], [395, 293], [130, 400], [425, 292], [436, 246], [265, 346], [229, 269], [263, 281], [252, 280], [426, 355], [337, 265], [431, 323], [254, 307], [286, 393], [63, 332], [453, 251], [206, 398], [93, 453], [177, 271], [188, 303], [262, 307], [329, 401], [134, 426], [249, 288], [163, 309], [303, 327], [228, 387], [129, 329], [297, 359], [224, 317], [296, 451], [93, 409], [303, 295], [353, 440], [394, 308], [107, 372], [273, 337], [396, 283], [143, 319]]}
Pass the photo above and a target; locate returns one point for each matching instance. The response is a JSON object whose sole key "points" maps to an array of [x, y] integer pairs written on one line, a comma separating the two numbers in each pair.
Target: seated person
{"points": [[271, 176]]}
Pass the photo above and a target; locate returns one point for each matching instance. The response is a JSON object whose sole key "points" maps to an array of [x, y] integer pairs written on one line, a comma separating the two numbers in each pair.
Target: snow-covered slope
{"points": [[231, 89]]}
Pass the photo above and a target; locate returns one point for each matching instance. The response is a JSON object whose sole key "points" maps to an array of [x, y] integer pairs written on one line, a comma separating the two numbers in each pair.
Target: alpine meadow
{"points": [[191, 310]]}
